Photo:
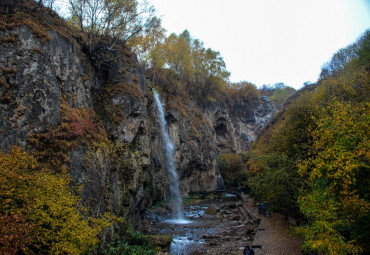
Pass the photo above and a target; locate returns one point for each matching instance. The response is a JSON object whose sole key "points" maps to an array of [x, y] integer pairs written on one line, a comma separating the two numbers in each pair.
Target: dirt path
{"points": [[274, 234]]}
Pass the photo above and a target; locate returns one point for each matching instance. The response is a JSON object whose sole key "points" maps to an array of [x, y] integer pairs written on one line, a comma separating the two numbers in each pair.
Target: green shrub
{"points": [[232, 169]]}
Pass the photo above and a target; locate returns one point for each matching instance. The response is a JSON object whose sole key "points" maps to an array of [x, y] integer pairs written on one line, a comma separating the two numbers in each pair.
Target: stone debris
{"points": [[211, 210], [227, 226]]}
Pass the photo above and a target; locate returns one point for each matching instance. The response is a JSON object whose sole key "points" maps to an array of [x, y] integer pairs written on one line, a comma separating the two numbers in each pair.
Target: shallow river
{"points": [[213, 226]]}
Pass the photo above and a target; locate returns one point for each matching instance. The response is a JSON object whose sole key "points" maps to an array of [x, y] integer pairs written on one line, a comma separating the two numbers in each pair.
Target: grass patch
{"points": [[195, 198], [130, 242], [39, 19]]}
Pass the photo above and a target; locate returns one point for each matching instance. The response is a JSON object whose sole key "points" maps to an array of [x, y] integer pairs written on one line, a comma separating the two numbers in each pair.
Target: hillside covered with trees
{"points": [[313, 158]]}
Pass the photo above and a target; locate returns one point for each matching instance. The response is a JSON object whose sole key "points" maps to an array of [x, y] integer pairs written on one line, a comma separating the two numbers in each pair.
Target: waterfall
{"points": [[175, 194]]}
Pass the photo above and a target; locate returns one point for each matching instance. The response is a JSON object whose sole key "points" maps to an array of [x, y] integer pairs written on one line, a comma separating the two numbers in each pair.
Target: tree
{"points": [[279, 85], [360, 49], [213, 70], [330, 197], [231, 167], [339, 60], [201, 71], [147, 46], [278, 183], [307, 84], [177, 50], [363, 51], [321, 142], [245, 91], [113, 19], [266, 90], [47, 3], [39, 212], [273, 161], [282, 93]]}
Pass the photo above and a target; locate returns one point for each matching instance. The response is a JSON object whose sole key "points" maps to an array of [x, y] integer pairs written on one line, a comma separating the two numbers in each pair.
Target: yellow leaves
{"points": [[353, 204], [324, 239], [199, 71], [340, 140], [339, 154], [46, 201], [326, 132]]}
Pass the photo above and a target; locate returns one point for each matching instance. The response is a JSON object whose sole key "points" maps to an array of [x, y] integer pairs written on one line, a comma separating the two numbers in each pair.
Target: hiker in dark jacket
{"points": [[262, 208], [248, 251]]}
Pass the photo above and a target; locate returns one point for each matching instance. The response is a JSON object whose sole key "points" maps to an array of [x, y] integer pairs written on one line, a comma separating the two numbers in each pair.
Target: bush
{"points": [[278, 183], [232, 169], [39, 212], [336, 195], [129, 242], [281, 95]]}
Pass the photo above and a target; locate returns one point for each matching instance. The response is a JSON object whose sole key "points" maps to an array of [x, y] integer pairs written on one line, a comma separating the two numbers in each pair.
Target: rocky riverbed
{"points": [[217, 225], [223, 224]]}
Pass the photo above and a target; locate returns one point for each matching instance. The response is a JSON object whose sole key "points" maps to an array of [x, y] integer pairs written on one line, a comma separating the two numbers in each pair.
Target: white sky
{"points": [[269, 41]]}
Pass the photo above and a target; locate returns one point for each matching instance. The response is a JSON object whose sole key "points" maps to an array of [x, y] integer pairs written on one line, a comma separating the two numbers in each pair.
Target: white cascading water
{"points": [[178, 213]]}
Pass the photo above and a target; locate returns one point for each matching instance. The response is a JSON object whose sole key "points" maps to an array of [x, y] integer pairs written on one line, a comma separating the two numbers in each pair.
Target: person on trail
{"points": [[248, 250], [262, 208], [259, 209]]}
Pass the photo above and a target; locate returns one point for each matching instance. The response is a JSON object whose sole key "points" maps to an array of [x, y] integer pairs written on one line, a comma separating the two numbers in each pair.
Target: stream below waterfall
{"points": [[218, 225]]}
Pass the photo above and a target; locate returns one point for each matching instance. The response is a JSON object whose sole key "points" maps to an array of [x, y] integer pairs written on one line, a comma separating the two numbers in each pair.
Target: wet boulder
{"points": [[211, 210]]}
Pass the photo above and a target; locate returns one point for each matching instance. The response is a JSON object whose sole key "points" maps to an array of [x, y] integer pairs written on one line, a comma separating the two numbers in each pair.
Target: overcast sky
{"points": [[269, 41]]}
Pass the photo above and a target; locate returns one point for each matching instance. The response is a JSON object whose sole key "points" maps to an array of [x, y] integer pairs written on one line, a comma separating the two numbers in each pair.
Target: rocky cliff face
{"points": [[102, 126], [236, 127]]}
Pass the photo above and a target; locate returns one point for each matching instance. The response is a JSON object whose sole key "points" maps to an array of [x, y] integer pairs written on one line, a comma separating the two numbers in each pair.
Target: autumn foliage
{"points": [[39, 213], [232, 169], [79, 126], [313, 159], [340, 156]]}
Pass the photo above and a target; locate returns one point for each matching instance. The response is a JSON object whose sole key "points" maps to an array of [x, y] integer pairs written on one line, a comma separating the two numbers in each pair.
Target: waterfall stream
{"points": [[178, 213]]}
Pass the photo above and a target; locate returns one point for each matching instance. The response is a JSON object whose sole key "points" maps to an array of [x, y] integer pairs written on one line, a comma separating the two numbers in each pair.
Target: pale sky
{"points": [[269, 41]]}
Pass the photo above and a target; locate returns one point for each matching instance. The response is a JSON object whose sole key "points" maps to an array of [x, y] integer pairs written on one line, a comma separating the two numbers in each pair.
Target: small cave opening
{"points": [[221, 119], [221, 129], [170, 119]]}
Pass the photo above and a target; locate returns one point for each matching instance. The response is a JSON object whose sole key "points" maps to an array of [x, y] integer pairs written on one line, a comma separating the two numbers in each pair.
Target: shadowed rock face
{"points": [[38, 80], [30, 97], [238, 126]]}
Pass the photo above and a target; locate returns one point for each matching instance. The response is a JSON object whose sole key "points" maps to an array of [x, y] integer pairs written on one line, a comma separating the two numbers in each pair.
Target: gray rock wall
{"points": [[37, 78], [238, 126], [34, 75]]}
